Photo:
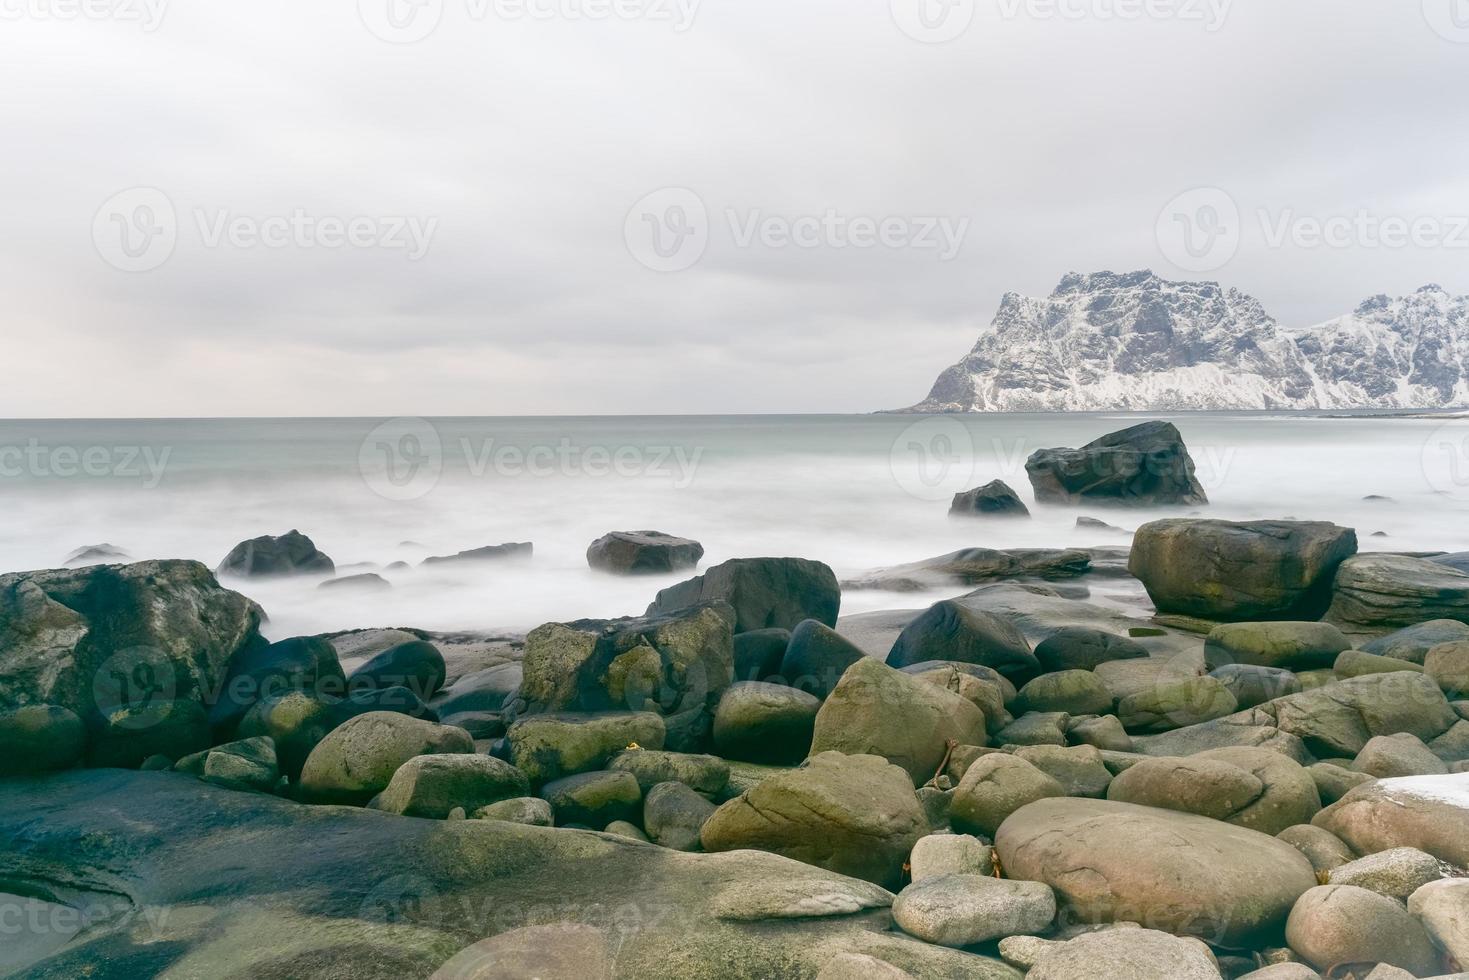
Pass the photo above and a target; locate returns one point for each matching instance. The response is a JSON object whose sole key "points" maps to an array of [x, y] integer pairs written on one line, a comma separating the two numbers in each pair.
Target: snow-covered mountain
{"points": [[1136, 342]]}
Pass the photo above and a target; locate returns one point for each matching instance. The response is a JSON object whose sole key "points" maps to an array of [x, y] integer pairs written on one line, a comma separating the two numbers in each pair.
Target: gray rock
{"points": [[643, 553], [417, 665], [859, 966], [528, 810], [986, 695], [1145, 465], [1412, 643], [855, 815], [948, 854], [876, 710], [1280, 645], [1234, 731], [1337, 924], [1378, 591], [594, 799], [260, 673], [622, 828], [39, 738], [936, 803], [966, 909], [1389, 756], [1430, 813], [1397, 873], [1443, 908], [993, 788], [1127, 954], [1282, 971], [1324, 850], [1085, 648], [673, 815], [481, 690], [1219, 882], [1076, 692], [358, 760], [1453, 745], [1079, 770], [1448, 664], [1211, 788], [950, 631], [816, 658], [1253, 685], [757, 722], [1176, 704], [547, 747], [1355, 663], [1333, 781], [509, 551], [248, 765], [705, 774], [1105, 732], [1263, 570], [764, 592], [432, 785], [975, 566], [293, 553], [1048, 728], [994, 499], [758, 653], [1338, 720]]}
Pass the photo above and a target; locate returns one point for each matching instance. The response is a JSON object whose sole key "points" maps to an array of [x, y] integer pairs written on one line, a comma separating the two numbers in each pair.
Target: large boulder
{"points": [[876, 710], [968, 909], [758, 653], [673, 815], [1254, 788], [994, 499], [120, 646], [433, 785], [1412, 643], [816, 657], [1085, 648], [764, 592], [595, 799], [261, 673], [547, 747], [855, 815], [417, 665], [673, 664], [1430, 813], [1253, 685], [643, 553], [1145, 465], [1076, 692], [951, 631], [292, 553], [1266, 570], [1176, 702], [1336, 925], [1283, 645], [1443, 908], [1338, 720], [768, 723], [40, 738], [1221, 883], [993, 788], [357, 761], [1374, 592]]}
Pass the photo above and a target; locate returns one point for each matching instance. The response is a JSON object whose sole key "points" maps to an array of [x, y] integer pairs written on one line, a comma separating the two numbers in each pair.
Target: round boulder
{"points": [[1085, 648], [1335, 925], [358, 760], [417, 665], [39, 738], [994, 787], [433, 785], [949, 631], [817, 657], [768, 723], [643, 553], [965, 909], [1076, 692], [1126, 954]]}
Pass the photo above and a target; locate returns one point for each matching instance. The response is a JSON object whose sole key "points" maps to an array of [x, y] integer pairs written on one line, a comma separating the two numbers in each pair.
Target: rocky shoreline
{"points": [[1257, 767]]}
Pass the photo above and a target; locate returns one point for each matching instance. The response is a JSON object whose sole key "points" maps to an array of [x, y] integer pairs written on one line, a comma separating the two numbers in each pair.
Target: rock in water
{"points": [[855, 815], [358, 760], [876, 710], [994, 499], [764, 592], [1221, 883], [952, 632], [1240, 571], [293, 553], [643, 553], [1146, 465], [1375, 591]]}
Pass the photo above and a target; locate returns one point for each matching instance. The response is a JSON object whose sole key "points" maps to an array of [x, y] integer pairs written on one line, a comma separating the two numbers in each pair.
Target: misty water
{"points": [[858, 492]]}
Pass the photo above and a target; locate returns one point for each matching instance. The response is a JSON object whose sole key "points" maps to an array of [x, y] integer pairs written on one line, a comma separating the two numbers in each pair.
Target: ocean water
{"points": [[858, 492]]}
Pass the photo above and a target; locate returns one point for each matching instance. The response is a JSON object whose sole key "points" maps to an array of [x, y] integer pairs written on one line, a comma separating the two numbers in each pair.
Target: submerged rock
{"points": [[994, 499], [292, 553], [643, 553], [510, 551], [1142, 466]]}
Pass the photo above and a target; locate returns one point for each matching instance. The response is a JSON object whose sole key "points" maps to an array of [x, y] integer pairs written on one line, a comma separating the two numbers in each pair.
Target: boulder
{"points": [[758, 653], [1036, 728], [1145, 465], [1324, 850], [1430, 813], [950, 631], [1389, 756], [1355, 663], [1104, 733], [356, 761], [705, 774], [248, 765], [854, 815], [362, 582], [1397, 873], [432, 785], [967, 909], [1253, 788], [1448, 664], [40, 738], [1126, 954], [510, 551], [417, 665], [1412, 643], [1334, 925], [1338, 720], [548, 747], [1333, 781], [767, 723], [985, 694], [126, 736], [260, 673], [994, 499], [482, 690], [1443, 908], [673, 815], [816, 658], [1226, 884], [1377, 591], [1085, 648], [1234, 731], [993, 788], [943, 854], [1075, 692], [594, 799], [859, 966], [1253, 685], [764, 592], [876, 710], [1176, 703], [1257, 570], [528, 810], [1282, 645], [1453, 745], [643, 553], [976, 566], [675, 665], [293, 553], [1079, 770]]}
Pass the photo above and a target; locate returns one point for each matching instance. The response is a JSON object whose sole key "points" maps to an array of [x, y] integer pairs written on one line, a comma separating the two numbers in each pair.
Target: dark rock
{"points": [[767, 723], [1458, 561], [1240, 571], [97, 554], [1413, 642], [293, 553], [758, 653], [1145, 465], [976, 566], [547, 747], [673, 815], [417, 665], [764, 592], [125, 737], [357, 760], [1085, 648], [365, 582], [494, 552], [951, 631], [594, 799], [994, 499], [1383, 591], [643, 553], [301, 663], [248, 765], [483, 690], [434, 785], [1092, 524], [40, 738], [1253, 685], [816, 658]]}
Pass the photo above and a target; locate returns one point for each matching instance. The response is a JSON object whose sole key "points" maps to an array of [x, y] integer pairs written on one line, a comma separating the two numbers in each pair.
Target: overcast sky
{"points": [[839, 200]]}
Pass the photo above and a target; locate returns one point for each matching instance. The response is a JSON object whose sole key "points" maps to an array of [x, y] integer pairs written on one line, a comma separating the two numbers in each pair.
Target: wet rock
{"points": [[417, 665], [816, 658], [1142, 466], [1085, 648], [510, 551], [547, 747], [1412, 643], [764, 592], [758, 653], [433, 785], [293, 553], [1281, 645], [673, 815], [953, 632], [1377, 591], [361, 582], [357, 760], [994, 499], [768, 723], [594, 799], [39, 738], [260, 673]]}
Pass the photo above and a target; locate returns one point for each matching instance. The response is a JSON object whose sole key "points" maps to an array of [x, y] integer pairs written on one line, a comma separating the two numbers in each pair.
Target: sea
{"points": [[857, 492]]}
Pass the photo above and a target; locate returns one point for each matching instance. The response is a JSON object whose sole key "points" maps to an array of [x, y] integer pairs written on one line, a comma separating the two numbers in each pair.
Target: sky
{"points": [[516, 207]]}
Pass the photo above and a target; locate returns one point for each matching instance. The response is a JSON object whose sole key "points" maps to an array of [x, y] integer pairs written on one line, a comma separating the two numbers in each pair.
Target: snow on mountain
{"points": [[1136, 342]]}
